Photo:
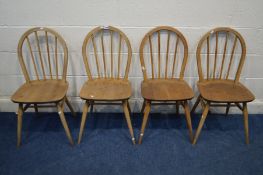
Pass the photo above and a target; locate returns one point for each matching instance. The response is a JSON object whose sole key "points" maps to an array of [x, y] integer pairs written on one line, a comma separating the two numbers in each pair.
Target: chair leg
{"points": [[83, 120], [227, 108], [145, 119], [19, 124], [143, 107], [201, 123], [91, 106], [63, 121], [36, 108], [70, 107], [129, 107], [188, 120], [246, 122], [196, 103], [128, 119], [177, 108]]}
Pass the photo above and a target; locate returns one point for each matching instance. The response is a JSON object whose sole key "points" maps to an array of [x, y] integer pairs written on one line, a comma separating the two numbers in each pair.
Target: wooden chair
{"points": [[40, 52], [222, 52], [107, 55], [160, 65]]}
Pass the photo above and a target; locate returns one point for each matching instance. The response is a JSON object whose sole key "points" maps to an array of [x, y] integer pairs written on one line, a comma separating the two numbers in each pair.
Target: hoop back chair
{"points": [[220, 57], [41, 52], [107, 56], [163, 56]]}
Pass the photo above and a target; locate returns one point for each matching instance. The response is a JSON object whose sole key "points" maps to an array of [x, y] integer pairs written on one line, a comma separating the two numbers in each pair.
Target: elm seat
{"points": [[44, 91], [106, 89], [166, 90], [224, 91]]}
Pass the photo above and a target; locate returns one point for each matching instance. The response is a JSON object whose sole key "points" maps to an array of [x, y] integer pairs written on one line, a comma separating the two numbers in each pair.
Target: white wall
{"points": [[74, 19]]}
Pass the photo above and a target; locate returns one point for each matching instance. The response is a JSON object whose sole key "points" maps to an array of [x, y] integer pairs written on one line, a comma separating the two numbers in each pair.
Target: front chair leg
{"points": [[201, 123], [19, 124], [188, 120], [245, 113], [70, 107], [128, 119], [83, 120], [145, 119], [63, 121]]}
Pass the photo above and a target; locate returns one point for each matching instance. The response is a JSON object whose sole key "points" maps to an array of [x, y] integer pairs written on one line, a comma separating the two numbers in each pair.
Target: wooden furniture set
{"points": [[107, 54]]}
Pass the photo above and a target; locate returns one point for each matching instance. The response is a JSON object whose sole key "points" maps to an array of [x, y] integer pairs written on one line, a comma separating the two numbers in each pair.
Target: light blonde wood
{"points": [[106, 89], [48, 54], [224, 55], [175, 53], [96, 56], [207, 58], [41, 91], [60, 107], [19, 123], [245, 113], [162, 90], [201, 123], [196, 104], [83, 120], [45, 91], [109, 88], [188, 119], [128, 119], [145, 119], [40, 55], [222, 91], [167, 54]]}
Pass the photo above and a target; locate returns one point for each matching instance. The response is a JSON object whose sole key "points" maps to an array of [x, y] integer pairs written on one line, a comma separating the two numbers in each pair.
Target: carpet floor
{"points": [[106, 147]]}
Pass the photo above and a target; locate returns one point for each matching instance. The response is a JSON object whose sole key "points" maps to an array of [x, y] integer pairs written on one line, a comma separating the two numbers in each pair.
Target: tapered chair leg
{"points": [[188, 120], [245, 113], [177, 108], [70, 107], [143, 107], [201, 123], [145, 119], [227, 108], [196, 104], [36, 108], [128, 119], [19, 124], [63, 121], [83, 120], [129, 107]]}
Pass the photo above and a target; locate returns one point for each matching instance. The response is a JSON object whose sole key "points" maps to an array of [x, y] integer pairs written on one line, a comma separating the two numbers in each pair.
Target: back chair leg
{"points": [[143, 106], [145, 119], [177, 108], [196, 104], [188, 120], [19, 124], [128, 119], [70, 107], [36, 108], [246, 122], [129, 107], [201, 123], [83, 120], [227, 108], [60, 107]]}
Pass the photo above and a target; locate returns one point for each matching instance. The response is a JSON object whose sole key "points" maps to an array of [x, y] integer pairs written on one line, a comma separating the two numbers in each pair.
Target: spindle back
{"points": [[41, 51], [221, 54], [107, 53], [163, 53]]}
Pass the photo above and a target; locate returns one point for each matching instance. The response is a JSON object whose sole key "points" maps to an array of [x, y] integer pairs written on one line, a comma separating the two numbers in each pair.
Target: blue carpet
{"points": [[106, 147]]}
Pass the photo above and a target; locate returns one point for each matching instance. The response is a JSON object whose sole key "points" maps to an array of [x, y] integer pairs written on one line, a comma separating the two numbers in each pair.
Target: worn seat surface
{"points": [[44, 91], [106, 89], [166, 90], [224, 91]]}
